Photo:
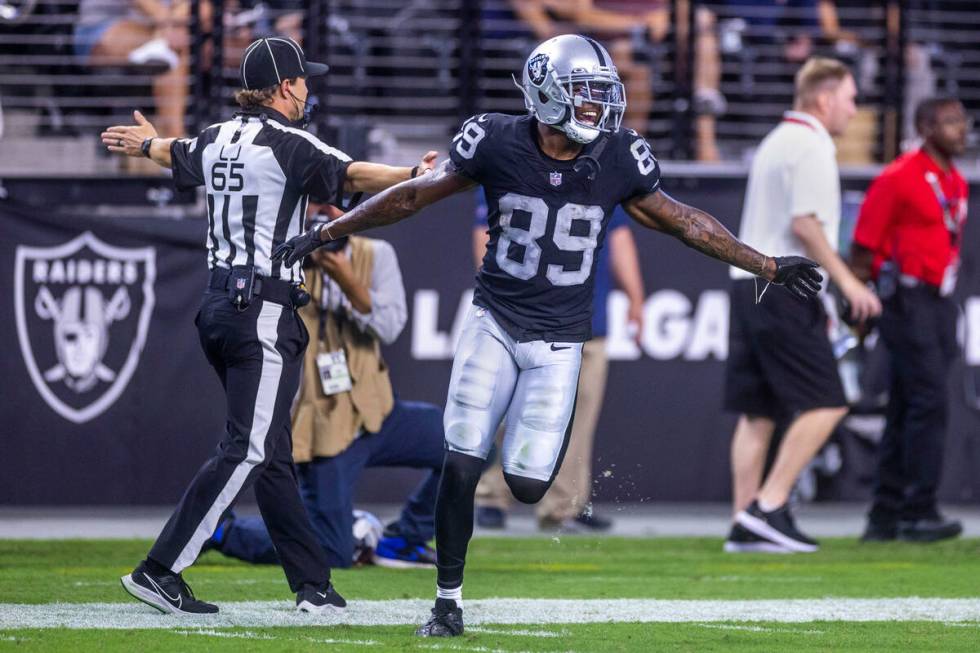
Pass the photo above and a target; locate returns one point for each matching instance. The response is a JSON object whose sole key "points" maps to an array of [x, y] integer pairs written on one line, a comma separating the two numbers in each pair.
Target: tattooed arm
{"points": [[699, 230], [390, 206], [400, 201]]}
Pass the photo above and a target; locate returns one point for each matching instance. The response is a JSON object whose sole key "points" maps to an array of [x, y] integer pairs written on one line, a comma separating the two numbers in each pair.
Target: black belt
{"points": [[273, 290], [908, 281]]}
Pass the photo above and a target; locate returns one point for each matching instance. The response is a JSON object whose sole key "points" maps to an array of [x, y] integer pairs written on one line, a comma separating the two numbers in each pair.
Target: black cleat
{"points": [[931, 529], [742, 540], [490, 517], [167, 593], [777, 526], [593, 522], [880, 531], [319, 599], [446, 621]]}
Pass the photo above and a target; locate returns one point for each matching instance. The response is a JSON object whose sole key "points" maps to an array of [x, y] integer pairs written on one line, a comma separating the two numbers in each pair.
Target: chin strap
{"points": [[591, 160]]}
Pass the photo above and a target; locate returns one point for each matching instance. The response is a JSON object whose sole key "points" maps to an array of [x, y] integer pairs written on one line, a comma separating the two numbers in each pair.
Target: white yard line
{"points": [[256, 614], [208, 632]]}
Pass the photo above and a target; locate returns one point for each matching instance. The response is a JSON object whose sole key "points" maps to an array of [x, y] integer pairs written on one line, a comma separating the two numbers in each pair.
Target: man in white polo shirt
{"points": [[781, 369]]}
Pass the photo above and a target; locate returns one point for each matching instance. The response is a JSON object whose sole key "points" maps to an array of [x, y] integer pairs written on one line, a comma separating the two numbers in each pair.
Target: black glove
{"points": [[799, 275], [297, 247]]}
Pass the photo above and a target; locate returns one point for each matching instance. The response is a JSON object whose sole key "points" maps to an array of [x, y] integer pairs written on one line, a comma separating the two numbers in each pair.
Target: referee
{"points": [[258, 170]]}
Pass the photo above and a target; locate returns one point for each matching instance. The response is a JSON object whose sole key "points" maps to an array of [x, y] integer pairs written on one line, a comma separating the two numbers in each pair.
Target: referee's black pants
{"points": [[918, 328], [258, 354]]}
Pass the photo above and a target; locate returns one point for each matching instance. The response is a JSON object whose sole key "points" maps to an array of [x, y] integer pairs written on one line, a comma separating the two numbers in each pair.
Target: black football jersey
{"points": [[547, 220]]}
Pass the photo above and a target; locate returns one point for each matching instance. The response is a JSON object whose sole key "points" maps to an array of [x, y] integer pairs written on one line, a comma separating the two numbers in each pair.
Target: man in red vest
{"points": [[908, 239]]}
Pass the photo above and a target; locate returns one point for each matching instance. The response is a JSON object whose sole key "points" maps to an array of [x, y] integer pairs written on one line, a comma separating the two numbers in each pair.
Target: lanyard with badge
{"points": [[953, 226], [331, 360]]}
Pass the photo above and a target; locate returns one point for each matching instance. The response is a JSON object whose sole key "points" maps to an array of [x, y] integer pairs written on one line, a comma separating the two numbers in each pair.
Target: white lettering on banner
{"points": [[971, 331], [673, 327], [670, 330], [620, 346], [428, 342], [709, 330], [665, 324]]}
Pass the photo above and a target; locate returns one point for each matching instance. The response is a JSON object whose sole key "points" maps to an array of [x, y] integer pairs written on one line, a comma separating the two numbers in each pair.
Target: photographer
{"points": [[346, 417]]}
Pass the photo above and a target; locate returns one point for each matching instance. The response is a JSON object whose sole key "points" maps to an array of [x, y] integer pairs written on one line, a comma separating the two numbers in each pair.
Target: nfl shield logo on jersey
{"points": [[555, 179], [83, 310]]}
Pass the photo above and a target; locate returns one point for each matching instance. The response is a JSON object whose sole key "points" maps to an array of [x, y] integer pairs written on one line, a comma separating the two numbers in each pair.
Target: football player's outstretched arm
{"points": [[699, 230], [387, 207]]}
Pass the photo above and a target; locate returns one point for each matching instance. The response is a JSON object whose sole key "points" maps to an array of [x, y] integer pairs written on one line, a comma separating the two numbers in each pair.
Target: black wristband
{"points": [[415, 172], [145, 147]]}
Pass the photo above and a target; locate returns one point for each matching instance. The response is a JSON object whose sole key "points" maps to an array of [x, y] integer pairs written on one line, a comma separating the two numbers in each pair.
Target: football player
{"points": [[552, 179]]}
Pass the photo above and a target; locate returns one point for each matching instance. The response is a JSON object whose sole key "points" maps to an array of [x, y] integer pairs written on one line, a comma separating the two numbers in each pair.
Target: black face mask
{"points": [[309, 108]]}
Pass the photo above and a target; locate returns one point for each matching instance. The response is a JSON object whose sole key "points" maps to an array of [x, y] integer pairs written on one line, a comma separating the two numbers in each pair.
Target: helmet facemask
{"points": [[553, 100], [608, 95]]}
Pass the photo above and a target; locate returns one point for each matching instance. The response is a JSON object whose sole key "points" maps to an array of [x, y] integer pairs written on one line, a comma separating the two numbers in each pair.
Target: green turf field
{"points": [[628, 590]]}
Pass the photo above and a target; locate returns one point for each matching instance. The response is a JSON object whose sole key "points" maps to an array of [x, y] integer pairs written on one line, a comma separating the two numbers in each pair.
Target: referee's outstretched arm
{"points": [[129, 140], [362, 176]]}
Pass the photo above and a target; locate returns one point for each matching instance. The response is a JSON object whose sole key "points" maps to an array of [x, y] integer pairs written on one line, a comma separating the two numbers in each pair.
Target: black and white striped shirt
{"points": [[259, 173]]}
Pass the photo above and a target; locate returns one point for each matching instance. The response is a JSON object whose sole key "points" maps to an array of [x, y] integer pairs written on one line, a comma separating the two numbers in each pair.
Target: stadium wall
{"points": [[131, 424]]}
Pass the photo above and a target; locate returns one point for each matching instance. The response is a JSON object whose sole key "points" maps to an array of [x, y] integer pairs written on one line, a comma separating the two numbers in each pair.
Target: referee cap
{"points": [[269, 61]]}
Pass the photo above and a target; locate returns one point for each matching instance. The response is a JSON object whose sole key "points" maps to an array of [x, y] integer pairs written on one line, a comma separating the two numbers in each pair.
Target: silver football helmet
{"points": [[565, 72]]}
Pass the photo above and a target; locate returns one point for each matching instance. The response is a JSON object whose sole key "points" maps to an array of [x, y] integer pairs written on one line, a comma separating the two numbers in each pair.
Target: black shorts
{"points": [[780, 361]]}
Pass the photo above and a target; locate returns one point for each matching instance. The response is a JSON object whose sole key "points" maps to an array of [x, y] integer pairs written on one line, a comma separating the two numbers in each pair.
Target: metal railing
{"points": [[418, 67]]}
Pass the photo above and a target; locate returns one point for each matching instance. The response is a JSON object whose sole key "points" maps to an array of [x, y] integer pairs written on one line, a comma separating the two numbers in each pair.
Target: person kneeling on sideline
{"points": [[346, 417]]}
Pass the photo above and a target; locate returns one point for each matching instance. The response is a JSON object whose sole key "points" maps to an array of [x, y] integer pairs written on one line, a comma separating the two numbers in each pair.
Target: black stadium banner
{"points": [[108, 400]]}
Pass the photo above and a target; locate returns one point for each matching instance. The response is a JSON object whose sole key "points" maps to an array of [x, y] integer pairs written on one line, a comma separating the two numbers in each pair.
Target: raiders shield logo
{"points": [[83, 310], [537, 69]]}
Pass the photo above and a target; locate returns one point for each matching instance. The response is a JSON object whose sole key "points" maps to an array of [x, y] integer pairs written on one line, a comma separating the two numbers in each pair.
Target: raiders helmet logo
{"points": [[537, 69], [82, 310]]}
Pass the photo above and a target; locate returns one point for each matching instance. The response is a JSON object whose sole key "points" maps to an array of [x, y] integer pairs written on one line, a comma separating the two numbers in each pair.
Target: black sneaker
{"points": [[446, 621], [931, 529], [742, 540], [489, 517], [319, 599], [594, 522], [880, 531], [167, 593], [776, 526]]}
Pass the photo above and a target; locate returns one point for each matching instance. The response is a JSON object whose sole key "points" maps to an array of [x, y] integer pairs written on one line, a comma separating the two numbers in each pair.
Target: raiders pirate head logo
{"points": [[537, 69], [83, 310]]}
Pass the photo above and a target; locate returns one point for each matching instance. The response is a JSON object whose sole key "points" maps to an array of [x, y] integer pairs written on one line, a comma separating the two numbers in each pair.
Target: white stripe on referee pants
{"points": [[267, 328]]}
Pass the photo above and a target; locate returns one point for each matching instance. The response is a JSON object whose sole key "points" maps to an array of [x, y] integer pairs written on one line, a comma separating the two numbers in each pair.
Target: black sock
{"points": [[155, 568], [454, 515]]}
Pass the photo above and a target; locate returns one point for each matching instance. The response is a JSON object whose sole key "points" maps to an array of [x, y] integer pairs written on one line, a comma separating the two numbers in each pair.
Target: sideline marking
{"points": [[255, 614]]}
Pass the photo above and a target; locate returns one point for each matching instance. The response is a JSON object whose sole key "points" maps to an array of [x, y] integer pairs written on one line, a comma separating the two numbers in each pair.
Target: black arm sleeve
{"points": [[185, 155], [319, 169]]}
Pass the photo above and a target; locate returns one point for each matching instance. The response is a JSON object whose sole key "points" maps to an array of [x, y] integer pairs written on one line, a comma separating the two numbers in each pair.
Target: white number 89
{"points": [[644, 157], [468, 138]]}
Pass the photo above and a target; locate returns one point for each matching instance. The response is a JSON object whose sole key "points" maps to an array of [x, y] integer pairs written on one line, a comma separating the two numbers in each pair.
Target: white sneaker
{"points": [[154, 52]]}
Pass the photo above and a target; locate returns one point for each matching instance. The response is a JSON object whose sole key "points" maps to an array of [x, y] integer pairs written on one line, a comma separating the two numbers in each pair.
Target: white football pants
{"points": [[532, 383]]}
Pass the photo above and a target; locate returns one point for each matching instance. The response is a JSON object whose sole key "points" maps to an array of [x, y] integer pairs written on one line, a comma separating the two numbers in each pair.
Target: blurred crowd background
{"points": [[705, 79]]}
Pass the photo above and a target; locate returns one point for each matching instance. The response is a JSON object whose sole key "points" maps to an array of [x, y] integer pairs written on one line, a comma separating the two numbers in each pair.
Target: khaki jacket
{"points": [[326, 425]]}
